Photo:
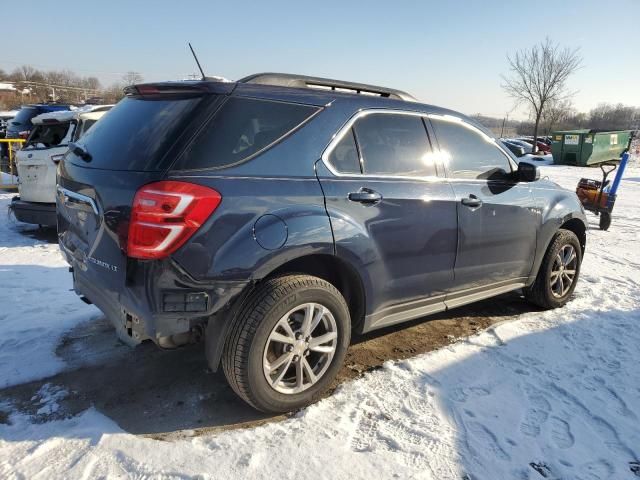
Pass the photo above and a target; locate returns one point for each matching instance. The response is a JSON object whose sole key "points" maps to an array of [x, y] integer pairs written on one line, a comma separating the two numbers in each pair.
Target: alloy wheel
{"points": [[300, 348], [563, 271]]}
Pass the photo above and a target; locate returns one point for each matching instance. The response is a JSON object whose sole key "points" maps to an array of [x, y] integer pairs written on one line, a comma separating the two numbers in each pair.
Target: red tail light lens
{"points": [[165, 215]]}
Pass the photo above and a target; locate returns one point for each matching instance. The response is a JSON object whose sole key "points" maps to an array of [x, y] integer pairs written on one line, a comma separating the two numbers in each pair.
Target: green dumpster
{"points": [[588, 147]]}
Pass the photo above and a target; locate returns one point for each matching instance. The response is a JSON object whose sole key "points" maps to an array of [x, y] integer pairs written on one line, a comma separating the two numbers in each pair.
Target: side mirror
{"points": [[527, 172]]}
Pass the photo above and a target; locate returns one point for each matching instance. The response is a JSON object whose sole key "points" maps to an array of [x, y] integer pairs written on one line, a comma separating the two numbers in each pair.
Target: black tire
{"points": [[242, 358], [540, 293], [605, 220]]}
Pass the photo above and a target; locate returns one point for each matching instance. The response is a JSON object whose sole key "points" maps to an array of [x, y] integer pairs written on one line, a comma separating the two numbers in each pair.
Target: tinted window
{"points": [[468, 153], [241, 128], [394, 144], [136, 133], [344, 156], [48, 135]]}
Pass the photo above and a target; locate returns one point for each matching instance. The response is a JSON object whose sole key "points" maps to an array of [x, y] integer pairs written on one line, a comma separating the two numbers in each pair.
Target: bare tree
{"points": [[131, 78], [556, 112], [538, 75]]}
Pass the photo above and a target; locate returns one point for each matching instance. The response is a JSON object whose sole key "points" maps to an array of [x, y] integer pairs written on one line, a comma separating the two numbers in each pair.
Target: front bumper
{"points": [[34, 212]]}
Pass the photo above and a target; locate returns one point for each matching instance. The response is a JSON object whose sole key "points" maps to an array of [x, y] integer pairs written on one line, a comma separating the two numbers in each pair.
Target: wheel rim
{"points": [[563, 271], [300, 348]]}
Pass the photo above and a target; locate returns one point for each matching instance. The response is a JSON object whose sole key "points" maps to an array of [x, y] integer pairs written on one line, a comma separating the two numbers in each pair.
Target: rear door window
{"points": [[468, 153], [394, 144], [240, 129]]}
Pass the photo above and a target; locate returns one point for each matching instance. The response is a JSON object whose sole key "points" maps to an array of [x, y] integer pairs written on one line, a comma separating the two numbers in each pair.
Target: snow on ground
{"points": [[36, 306], [542, 395]]}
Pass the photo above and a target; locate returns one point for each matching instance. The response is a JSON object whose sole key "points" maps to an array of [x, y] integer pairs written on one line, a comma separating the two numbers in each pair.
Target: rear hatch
{"points": [[38, 159], [132, 145]]}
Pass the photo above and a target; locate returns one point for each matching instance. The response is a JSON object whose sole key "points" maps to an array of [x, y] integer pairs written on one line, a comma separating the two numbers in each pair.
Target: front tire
{"points": [[287, 343], [558, 273]]}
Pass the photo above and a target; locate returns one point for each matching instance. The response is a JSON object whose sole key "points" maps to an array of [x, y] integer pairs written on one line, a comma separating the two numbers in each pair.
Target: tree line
{"points": [[64, 86], [565, 117]]}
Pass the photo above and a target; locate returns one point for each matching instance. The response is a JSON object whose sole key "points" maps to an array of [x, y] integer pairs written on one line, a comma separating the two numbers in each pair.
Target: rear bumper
{"points": [[34, 212], [150, 305]]}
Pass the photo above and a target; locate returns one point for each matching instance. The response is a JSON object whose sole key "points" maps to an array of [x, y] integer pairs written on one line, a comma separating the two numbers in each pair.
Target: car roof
{"points": [[91, 112], [314, 91]]}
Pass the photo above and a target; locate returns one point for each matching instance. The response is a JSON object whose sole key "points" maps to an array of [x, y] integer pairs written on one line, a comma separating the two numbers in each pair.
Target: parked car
{"points": [[516, 149], [5, 116], [37, 161], [20, 126], [277, 214], [542, 146], [526, 146]]}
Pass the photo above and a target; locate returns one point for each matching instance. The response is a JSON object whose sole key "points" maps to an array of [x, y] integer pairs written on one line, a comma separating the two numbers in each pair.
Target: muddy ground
{"points": [[170, 394]]}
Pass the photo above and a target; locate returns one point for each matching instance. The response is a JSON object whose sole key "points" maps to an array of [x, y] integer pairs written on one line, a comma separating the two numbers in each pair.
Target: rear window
{"points": [[48, 135], [137, 133], [24, 116], [240, 129]]}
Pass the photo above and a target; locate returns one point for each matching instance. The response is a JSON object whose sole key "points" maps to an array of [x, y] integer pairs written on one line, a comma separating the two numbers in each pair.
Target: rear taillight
{"points": [[165, 215], [24, 134]]}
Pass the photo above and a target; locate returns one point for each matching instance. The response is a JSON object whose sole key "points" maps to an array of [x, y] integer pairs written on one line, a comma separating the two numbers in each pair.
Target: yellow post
{"points": [[9, 142]]}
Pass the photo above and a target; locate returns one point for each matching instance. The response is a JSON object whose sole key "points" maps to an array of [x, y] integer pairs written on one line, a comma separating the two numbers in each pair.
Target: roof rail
{"points": [[303, 81]]}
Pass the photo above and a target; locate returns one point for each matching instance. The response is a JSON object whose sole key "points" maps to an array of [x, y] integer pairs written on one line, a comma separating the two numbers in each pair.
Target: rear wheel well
{"points": [[335, 271], [576, 226]]}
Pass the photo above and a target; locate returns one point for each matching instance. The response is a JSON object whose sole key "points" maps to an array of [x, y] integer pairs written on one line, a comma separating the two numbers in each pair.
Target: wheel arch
{"points": [[322, 265], [335, 271], [578, 227]]}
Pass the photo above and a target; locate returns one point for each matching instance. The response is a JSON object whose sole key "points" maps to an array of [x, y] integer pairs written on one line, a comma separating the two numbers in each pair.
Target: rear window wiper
{"points": [[80, 151]]}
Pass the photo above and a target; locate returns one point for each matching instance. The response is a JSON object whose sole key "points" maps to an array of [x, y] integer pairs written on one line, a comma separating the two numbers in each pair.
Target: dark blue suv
{"points": [[275, 215]]}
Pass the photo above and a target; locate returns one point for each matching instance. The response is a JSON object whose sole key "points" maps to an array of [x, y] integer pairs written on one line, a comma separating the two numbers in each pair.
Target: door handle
{"points": [[365, 195], [472, 201]]}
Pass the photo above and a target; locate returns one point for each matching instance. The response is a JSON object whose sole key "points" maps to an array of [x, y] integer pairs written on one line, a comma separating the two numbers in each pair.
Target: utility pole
{"points": [[504, 120]]}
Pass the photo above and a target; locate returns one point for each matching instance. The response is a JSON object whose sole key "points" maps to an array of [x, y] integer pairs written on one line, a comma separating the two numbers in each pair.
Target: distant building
{"points": [[8, 94]]}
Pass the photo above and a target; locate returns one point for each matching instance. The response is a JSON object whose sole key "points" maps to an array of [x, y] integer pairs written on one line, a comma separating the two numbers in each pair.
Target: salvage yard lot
{"points": [[493, 390]]}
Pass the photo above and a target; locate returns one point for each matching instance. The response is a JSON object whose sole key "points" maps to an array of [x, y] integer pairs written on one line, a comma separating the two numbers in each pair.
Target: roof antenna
{"points": [[197, 61]]}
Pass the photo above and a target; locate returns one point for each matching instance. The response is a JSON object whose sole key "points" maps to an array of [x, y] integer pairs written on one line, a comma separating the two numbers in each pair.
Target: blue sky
{"points": [[448, 53]]}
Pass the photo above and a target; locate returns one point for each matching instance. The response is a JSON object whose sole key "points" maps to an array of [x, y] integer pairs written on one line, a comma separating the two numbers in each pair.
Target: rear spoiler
{"points": [[188, 87]]}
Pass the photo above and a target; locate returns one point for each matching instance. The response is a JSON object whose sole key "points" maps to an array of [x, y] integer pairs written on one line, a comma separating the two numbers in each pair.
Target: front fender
{"points": [[557, 207]]}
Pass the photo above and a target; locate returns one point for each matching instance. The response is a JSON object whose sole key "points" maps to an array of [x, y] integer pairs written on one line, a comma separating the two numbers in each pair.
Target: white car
{"points": [[38, 159]]}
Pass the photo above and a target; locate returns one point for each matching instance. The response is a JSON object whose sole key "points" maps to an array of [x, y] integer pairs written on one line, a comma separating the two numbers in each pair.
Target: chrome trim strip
{"points": [[78, 197], [337, 137]]}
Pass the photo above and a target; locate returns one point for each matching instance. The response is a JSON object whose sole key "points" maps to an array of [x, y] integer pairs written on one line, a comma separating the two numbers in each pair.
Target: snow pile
{"points": [[68, 115], [47, 399], [545, 394]]}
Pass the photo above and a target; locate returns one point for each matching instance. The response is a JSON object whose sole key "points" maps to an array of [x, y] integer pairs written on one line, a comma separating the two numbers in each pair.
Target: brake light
{"points": [[24, 134], [165, 215]]}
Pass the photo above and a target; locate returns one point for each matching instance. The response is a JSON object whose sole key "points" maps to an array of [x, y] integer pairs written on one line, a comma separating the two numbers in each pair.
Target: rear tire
{"points": [[558, 273], [605, 220], [274, 360]]}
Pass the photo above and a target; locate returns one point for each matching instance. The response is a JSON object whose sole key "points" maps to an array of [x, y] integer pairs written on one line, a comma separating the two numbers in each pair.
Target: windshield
{"points": [[137, 133]]}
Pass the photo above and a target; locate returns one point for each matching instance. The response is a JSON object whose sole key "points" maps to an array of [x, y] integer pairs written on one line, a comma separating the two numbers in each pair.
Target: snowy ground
{"points": [[540, 395]]}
